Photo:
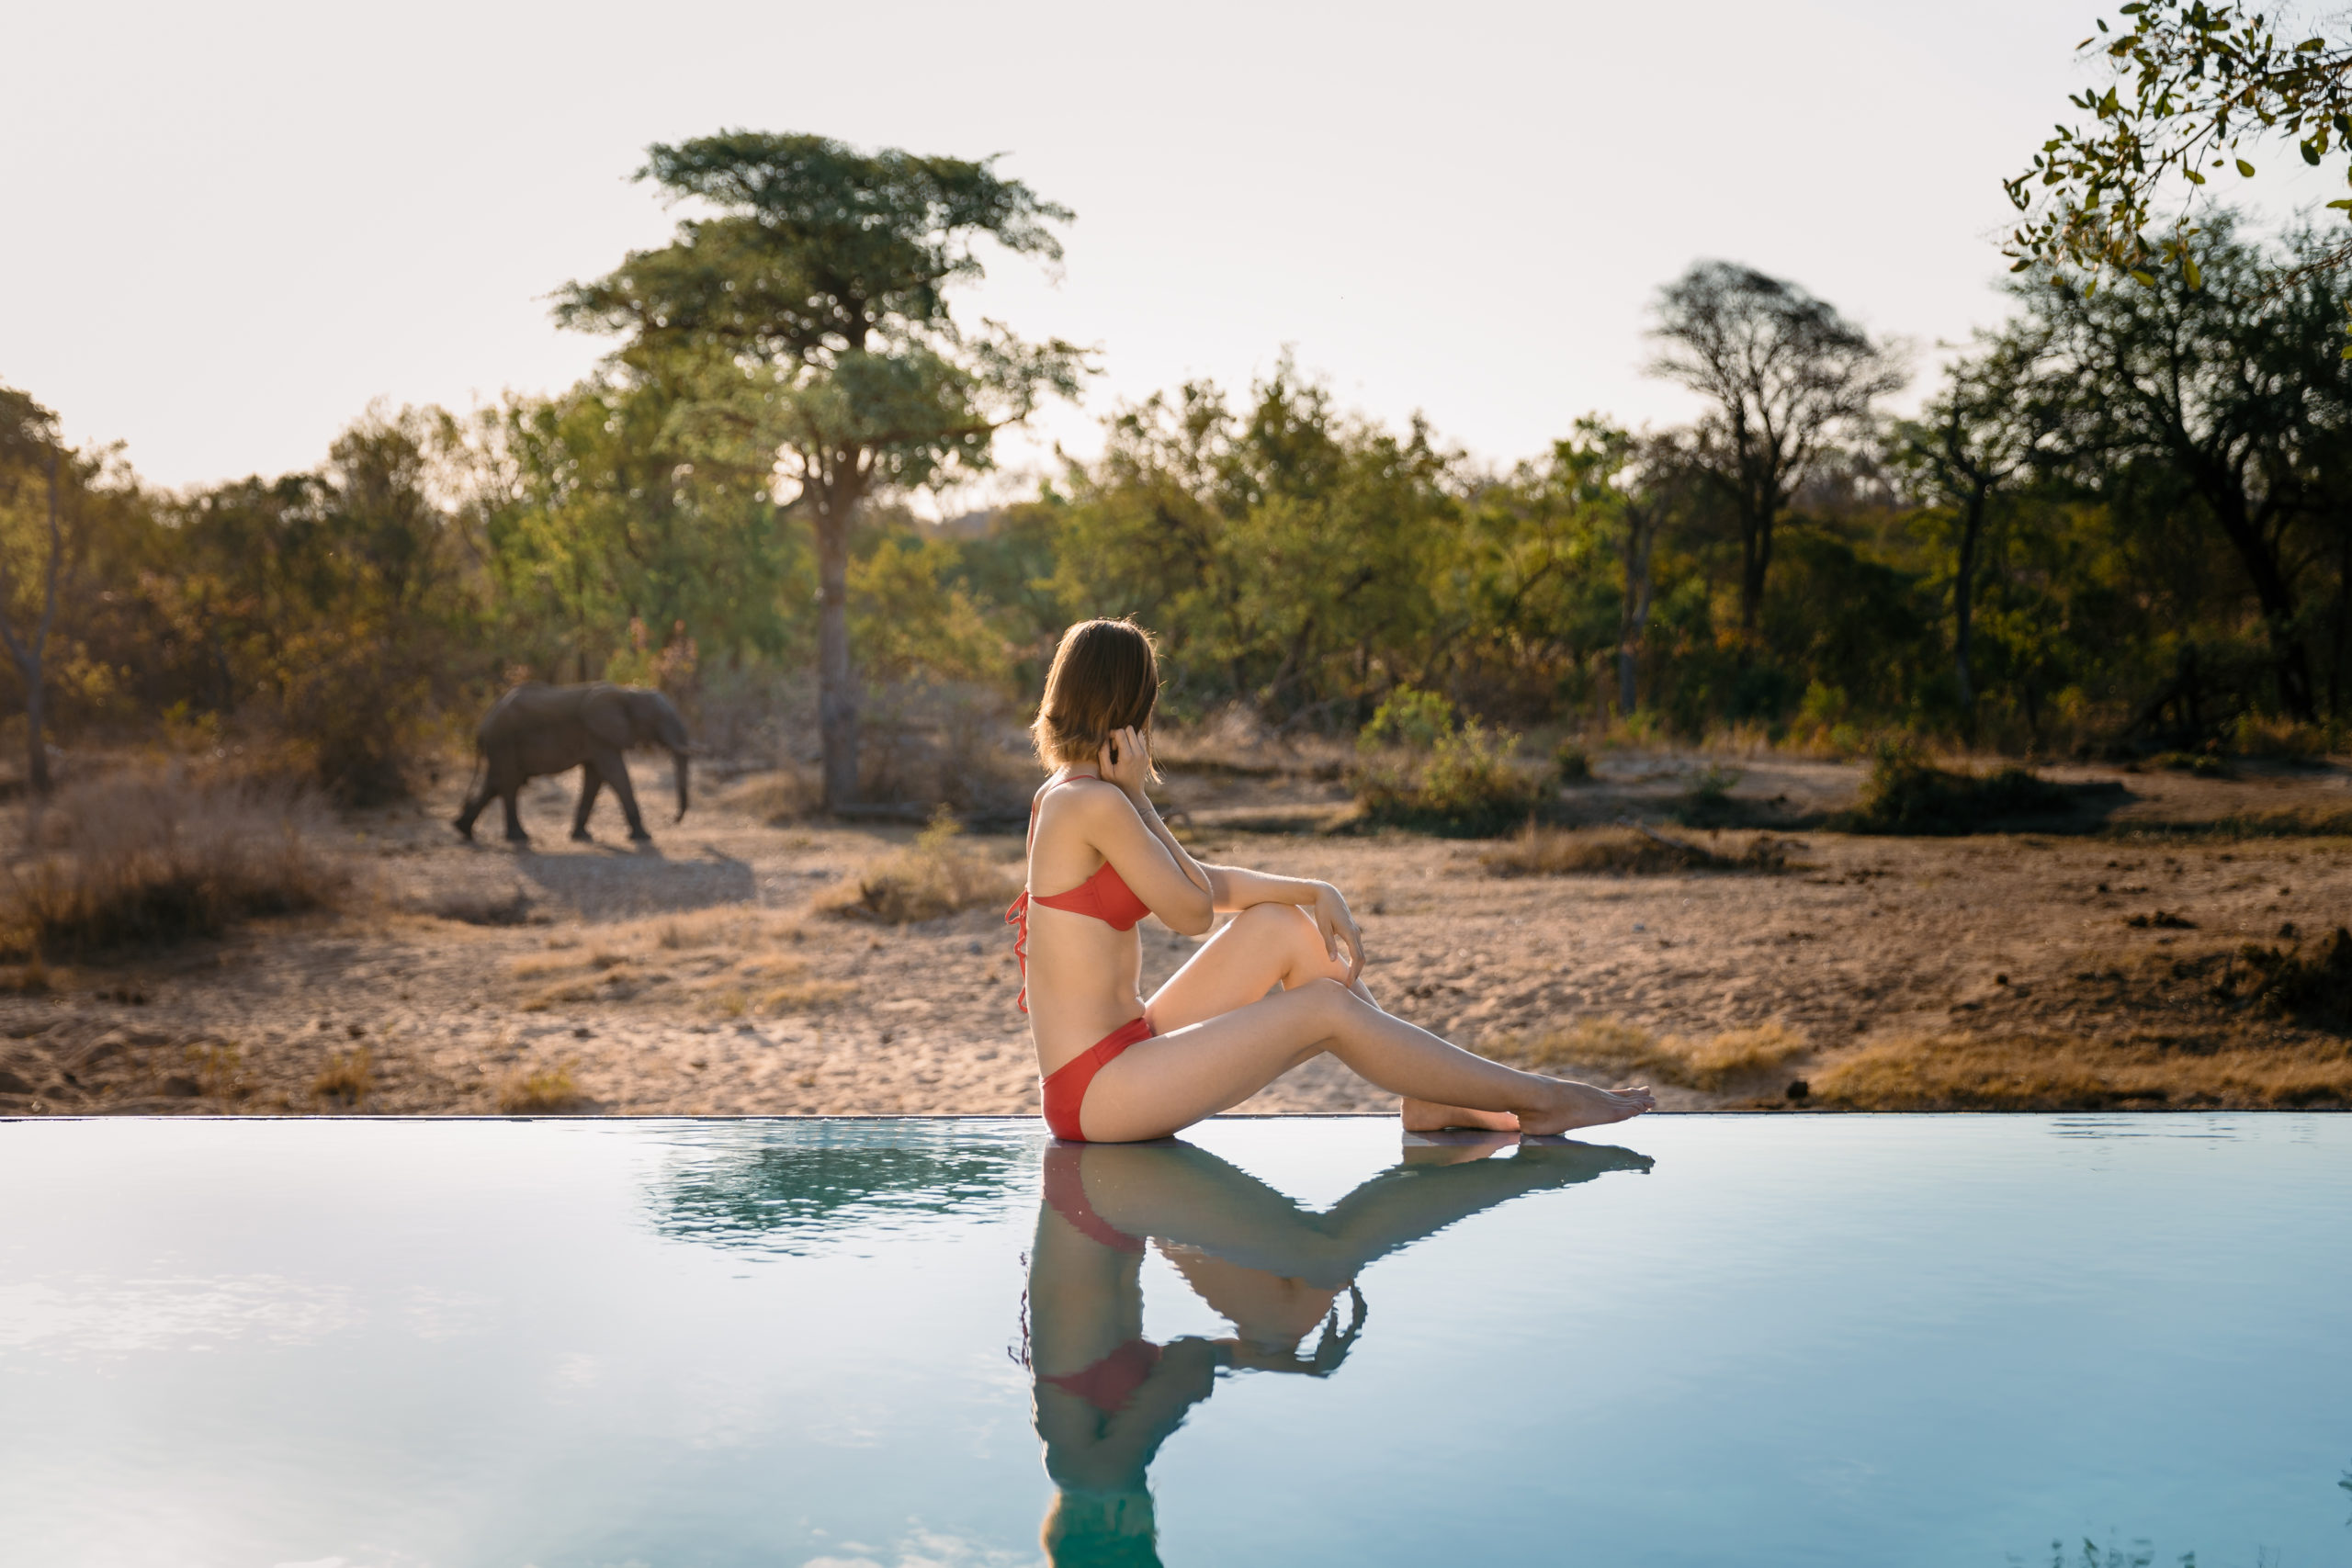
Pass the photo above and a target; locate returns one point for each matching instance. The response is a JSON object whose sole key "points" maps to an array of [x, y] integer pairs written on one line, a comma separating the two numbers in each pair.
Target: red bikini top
{"points": [[1106, 895]]}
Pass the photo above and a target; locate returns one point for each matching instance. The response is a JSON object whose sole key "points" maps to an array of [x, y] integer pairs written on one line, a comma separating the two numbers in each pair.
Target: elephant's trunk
{"points": [[680, 759]]}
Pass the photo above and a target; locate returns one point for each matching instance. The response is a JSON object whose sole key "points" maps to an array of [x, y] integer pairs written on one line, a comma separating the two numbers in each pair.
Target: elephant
{"points": [[537, 729]]}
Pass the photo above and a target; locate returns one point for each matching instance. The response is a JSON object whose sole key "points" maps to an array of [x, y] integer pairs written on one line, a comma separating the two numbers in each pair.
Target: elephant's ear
{"points": [[606, 713], [667, 728]]}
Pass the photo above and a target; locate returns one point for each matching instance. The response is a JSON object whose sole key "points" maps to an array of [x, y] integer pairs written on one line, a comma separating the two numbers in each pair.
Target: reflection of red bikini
{"points": [[1110, 1382], [1107, 898]]}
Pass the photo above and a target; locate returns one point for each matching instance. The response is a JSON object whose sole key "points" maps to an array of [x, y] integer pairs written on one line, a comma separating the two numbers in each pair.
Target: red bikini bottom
{"points": [[1064, 1089]]}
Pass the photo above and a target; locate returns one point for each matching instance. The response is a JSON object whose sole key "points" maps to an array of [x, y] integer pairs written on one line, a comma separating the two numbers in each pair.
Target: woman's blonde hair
{"points": [[1105, 678]]}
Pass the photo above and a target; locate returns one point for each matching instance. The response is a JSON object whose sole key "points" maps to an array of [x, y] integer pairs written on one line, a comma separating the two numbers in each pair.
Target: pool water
{"points": [[926, 1343]]}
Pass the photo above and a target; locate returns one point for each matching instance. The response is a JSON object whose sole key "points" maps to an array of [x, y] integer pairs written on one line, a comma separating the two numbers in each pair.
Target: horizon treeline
{"points": [[2122, 520]]}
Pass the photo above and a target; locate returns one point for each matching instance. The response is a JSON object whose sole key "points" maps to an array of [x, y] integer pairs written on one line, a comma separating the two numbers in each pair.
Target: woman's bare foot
{"points": [[1429, 1116], [1458, 1147], [1581, 1105]]}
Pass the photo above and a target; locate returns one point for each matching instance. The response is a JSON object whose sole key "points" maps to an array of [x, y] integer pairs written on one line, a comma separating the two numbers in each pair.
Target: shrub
{"points": [[1609, 1045], [1707, 803], [1537, 851], [774, 796], [1571, 764], [2204, 765], [1407, 717], [160, 856], [1906, 794], [346, 1079], [2283, 739], [544, 1091], [939, 873], [1468, 786], [2316, 990], [2061, 1073]]}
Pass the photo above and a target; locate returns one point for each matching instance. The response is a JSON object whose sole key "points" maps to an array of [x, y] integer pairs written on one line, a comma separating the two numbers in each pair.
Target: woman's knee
{"points": [[1328, 1000], [1282, 929]]}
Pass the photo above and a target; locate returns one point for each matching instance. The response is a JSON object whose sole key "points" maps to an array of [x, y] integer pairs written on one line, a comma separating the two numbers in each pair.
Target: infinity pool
{"points": [[919, 1344]]}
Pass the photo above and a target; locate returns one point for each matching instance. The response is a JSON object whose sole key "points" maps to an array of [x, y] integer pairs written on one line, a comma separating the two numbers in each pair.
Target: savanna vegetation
{"points": [[2122, 521], [2116, 525]]}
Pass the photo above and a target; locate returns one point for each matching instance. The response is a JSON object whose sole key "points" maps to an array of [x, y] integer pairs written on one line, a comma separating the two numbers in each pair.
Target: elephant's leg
{"points": [[616, 770], [509, 788], [475, 801], [591, 780]]}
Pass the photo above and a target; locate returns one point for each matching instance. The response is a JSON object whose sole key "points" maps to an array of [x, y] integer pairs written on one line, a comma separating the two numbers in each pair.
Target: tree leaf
{"points": [[2246, 168]]}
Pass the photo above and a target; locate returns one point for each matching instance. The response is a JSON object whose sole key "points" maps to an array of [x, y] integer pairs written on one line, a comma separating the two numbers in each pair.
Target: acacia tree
{"points": [[807, 317], [1786, 374]]}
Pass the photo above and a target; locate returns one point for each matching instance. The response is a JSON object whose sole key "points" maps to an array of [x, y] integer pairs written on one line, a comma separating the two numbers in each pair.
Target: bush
{"points": [[346, 1079], [2282, 740], [938, 875], [1609, 1046], [1468, 786], [1622, 851], [547, 1091], [2317, 991], [1906, 794], [1406, 717], [160, 856], [1571, 764]]}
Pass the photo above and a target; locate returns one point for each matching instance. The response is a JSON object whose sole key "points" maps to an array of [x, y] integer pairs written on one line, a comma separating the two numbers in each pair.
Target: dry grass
{"points": [[776, 795], [348, 1077], [807, 996], [2063, 1073], [159, 855], [940, 873], [543, 1091], [1735, 1058], [1537, 851], [480, 908]]}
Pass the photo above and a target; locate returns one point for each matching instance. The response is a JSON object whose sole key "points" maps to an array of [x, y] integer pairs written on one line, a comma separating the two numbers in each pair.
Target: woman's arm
{"points": [[1231, 888]]}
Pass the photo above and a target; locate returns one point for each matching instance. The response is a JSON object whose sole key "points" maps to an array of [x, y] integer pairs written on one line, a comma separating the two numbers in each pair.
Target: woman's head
{"points": [[1105, 678]]}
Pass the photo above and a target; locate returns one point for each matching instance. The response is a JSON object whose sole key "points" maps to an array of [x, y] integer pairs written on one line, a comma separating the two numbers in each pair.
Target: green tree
{"points": [[1977, 437], [2231, 387], [1785, 374], [70, 518], [32, 458], [808, 315], [2197, 85]]}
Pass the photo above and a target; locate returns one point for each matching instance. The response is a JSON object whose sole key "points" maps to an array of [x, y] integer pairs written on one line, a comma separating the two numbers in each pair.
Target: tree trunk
{"points": [[36, 754], [2342, 638], [1964, 610], [2272, 591], [836, 680], [1641, 540], [1756, 519]]}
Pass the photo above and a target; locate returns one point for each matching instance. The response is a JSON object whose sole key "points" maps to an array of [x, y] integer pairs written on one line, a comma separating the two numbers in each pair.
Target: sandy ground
{"points": [[697, 976]]}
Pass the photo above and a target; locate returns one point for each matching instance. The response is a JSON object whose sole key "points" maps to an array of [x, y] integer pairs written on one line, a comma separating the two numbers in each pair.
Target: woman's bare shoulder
{"points": [[1081, 800]]}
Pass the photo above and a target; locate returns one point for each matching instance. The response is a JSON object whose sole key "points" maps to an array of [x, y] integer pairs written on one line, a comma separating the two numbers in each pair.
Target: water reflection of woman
{"points": [[1107, 1397]]}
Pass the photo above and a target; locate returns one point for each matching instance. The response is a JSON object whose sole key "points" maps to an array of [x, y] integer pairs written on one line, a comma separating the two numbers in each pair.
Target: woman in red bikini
{"points": [[1115, 1068]]}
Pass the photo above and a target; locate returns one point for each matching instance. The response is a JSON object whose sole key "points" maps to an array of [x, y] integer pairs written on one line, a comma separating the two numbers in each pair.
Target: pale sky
{"points": [[231, 226]]}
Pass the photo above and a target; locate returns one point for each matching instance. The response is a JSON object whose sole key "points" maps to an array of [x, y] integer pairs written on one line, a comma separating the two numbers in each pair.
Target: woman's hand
{"points": [[1133, 764], [1339, 927]]}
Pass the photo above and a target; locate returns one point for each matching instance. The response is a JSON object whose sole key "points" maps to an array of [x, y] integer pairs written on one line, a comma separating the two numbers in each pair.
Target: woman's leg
{"points": [[1271, 945], [1174, 1079], [1264, 946]]}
